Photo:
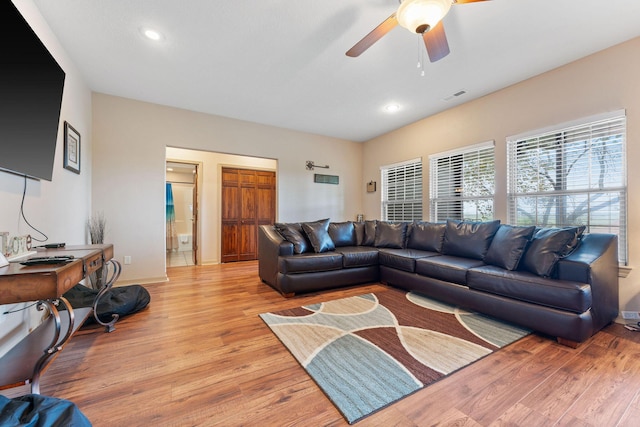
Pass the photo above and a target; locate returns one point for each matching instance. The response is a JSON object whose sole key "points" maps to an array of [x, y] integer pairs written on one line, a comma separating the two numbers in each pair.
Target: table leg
{"points": [[107, 284], [56, 343]]}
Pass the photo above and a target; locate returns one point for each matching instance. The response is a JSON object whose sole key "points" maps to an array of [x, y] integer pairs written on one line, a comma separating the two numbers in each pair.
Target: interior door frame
{"points": [[197, 184], [195, 215]]}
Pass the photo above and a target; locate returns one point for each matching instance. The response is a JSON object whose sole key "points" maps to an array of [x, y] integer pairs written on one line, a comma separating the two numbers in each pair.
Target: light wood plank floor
{"points": [[201, 356]]}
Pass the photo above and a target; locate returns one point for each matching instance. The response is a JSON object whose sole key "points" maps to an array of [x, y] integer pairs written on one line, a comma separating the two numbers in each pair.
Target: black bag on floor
{"points": [[121, 300], [34, 410]]}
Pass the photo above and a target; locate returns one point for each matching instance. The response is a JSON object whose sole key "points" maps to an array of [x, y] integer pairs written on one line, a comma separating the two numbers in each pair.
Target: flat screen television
{"points": [[31, 87]]}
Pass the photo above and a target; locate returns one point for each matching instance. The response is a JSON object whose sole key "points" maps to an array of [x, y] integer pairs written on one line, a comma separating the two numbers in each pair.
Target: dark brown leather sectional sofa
{"points": [[555, 281]]}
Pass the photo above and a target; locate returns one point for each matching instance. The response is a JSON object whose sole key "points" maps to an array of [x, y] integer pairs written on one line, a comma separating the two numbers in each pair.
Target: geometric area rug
{"points": [[368, 351]]}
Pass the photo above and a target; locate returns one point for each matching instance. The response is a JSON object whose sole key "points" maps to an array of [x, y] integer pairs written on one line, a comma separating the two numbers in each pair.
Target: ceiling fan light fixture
{"points": [[421, 15]]}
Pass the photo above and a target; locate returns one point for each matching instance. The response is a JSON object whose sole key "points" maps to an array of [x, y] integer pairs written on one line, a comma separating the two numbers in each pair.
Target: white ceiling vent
{"points": [[455, 95]]}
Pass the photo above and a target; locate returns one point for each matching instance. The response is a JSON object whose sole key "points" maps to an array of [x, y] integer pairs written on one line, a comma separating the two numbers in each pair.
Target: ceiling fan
{"points": [[419, 16]]}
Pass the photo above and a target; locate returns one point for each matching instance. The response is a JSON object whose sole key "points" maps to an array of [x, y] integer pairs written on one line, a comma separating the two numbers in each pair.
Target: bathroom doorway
{"points": [[182, 214]]}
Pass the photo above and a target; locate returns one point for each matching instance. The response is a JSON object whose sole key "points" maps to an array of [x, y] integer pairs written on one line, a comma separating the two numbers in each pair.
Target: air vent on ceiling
{"points": [[455, 95]]}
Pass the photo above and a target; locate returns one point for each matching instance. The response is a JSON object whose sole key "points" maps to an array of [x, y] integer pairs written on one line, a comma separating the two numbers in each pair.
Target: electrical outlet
{"points": [[127, 259], [631, 315]]}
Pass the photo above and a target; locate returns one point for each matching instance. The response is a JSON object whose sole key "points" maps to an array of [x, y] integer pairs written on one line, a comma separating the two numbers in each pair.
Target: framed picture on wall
{"points": [[71, 148]]}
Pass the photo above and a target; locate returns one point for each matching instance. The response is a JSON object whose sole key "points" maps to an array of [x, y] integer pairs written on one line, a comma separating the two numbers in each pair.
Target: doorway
{"points": [[182, 214]]}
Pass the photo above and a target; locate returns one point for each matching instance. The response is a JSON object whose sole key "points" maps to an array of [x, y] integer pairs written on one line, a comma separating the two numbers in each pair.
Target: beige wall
{"points": [[603, 82], [59, 208], [130, 138]]}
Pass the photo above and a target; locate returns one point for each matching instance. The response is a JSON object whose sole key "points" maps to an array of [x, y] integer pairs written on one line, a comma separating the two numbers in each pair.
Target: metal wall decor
{"points": [[310, 164]]}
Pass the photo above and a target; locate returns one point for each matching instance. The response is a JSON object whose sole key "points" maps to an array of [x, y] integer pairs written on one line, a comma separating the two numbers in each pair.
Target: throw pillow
{"points": [[469, 239], [390, 235], [426, 236], [548, 246], [508, 246], [342, 233], [292, 232], [369, 233], [318, 234]]}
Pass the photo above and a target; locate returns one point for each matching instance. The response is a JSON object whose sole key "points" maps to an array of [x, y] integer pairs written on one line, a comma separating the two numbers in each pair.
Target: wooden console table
{"points": [[46, 284]]}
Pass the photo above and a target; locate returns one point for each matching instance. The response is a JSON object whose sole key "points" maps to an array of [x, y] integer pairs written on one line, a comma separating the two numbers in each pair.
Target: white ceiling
{"points": [[283, 62]]}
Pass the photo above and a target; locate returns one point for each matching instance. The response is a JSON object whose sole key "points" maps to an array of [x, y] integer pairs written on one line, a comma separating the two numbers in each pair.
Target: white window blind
{"points": [[572, 175], [462, 183], [402, 191]]}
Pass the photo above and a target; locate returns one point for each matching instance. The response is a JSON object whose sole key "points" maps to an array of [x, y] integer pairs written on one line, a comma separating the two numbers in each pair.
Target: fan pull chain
{"points": [[421, 56]]}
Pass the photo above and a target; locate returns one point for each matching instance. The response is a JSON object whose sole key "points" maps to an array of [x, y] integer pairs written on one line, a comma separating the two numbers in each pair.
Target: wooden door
{"points": [[248, 200]]}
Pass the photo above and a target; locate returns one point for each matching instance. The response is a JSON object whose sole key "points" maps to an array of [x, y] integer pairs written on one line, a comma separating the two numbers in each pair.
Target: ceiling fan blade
{"points": [[467, 1], [436, 42], [373, 36]]}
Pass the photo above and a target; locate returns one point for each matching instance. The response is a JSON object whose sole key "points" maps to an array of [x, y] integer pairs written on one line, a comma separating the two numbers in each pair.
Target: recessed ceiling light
{"points": [[392, 108], [169, 169], [152, 34]]}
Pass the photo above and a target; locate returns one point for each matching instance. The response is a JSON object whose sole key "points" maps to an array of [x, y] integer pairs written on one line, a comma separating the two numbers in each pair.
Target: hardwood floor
{"points": [[199, 355]]}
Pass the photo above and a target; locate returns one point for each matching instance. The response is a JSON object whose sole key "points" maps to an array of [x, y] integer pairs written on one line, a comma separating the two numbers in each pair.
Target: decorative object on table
{"points": [[97, 225], [71, 148], [4, 242], [3, 261], [17, 247], [368, 351]]}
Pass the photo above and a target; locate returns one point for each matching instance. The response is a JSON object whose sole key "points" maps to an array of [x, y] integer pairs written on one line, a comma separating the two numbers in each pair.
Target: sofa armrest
{"points": [[595, 261], [271, 245]]}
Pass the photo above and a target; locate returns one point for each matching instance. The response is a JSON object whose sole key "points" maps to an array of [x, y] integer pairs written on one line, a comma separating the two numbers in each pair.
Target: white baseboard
{"points": [[143, 281]]}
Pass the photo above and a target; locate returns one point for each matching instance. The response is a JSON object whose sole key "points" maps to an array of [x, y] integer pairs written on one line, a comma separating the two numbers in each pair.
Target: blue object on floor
{"points": [[34, 410]]}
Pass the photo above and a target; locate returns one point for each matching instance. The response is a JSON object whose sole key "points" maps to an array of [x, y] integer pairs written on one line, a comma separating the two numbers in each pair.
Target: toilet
{"points": [[184, 242]]}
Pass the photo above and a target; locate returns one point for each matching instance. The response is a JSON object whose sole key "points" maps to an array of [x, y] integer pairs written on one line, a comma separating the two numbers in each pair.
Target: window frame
{"points": [[412, 208], [564, 134], [455, 195]]}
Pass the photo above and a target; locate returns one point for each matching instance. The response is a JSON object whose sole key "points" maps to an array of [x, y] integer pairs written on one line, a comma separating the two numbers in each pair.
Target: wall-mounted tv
{"points": [[31, 86]]}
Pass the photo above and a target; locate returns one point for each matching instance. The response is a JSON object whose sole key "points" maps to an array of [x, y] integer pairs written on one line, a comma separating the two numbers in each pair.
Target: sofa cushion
{"points": [[547, 247], [292, 232], [359, 228], [318, 234], [309, 262], [390, 234], [358, 256], [343, 233], [403, 259], [369, 233], [446, 268], [508, 245], [426, 236], [524, 286], [468, 239]]}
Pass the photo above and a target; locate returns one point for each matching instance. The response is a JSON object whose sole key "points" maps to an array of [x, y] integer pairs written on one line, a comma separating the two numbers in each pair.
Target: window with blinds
{"points": [[572, 175], [402, 191], [462, 183]]}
